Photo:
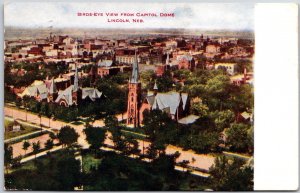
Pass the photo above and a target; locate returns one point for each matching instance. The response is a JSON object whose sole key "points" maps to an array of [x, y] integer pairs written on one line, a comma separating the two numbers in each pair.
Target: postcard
{"points": [[129, 96]]}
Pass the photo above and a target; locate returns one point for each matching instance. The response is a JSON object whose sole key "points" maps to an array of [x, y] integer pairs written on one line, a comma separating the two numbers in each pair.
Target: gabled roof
{"points": [[66, 95], [36, 88], [52, 88], [246, 115], [167, 101], [105, 63], [92, 93], [186, 57], [188, 120]]}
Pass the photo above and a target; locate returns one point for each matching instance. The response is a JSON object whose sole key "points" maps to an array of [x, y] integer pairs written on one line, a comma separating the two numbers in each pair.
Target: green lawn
{"points": [[76, 123], [24, 130], [88, 161]]}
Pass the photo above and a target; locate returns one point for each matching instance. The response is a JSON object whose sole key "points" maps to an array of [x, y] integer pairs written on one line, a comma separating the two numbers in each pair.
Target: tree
{"points": [[111, 122], [238, 138], [204, 142], [26, 145], [95, 136], [68, 172], [222, 119], [16, 162], [60, 173], [67, 136], [231, 175], [8, 156], [131, 146], [198, 108], [217, 91], [52, 136], [49, 144], [160, 130], [36, 148]]}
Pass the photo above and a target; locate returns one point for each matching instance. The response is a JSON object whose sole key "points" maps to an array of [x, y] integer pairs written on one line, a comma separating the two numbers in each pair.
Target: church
{"points": [[74, 94], [175, 104]]}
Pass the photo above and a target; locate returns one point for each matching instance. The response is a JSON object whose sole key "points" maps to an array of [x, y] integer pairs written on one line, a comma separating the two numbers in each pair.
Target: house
{"points": [[229, 67], [186, 62], [125, 59], [245, 117], [213, 48], [160, 69], [16, 126], [105, 71], [105, 68]]}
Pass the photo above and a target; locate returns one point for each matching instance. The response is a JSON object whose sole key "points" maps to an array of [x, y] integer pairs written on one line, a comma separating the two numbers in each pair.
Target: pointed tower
{"points": [[52, 95], [155, 88], [168, 58], [76, 79], [134, 96], [52, 88]]}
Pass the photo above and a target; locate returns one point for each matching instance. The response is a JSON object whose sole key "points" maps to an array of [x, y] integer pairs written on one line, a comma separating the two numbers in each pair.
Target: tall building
{"points": [[134, 96]]}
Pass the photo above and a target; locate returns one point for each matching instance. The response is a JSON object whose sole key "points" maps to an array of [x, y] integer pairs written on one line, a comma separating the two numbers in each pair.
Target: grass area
{"points": [[134, 135], [193, 183], [24, 129], [110, 171], [76, 123], [89, 161], [28, 137]]}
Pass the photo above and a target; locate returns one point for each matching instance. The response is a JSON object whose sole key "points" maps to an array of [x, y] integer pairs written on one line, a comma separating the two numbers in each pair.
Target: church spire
{"points": [[135, 70], [52, 88], [155, 86], [168, 58], [76, 79]]}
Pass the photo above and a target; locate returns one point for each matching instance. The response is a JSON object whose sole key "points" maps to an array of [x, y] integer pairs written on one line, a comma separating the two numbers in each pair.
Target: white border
{"points": [[276, 97]]}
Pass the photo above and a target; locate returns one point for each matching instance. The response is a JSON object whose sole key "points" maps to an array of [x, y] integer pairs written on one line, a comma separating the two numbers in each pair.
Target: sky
{"points": [[214, 16]]}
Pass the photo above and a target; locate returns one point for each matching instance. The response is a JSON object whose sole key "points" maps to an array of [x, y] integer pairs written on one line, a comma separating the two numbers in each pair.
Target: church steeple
{"points": [[76, 87], [134, 96], [168, 58], [155, 88], [135, 70], [52, 88]]}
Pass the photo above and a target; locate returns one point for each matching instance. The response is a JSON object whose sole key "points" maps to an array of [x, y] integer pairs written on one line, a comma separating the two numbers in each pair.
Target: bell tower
{"points": [[134, 96]]}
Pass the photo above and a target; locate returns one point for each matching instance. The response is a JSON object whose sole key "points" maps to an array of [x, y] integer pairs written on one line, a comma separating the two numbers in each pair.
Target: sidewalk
{"points": [[40, 154], [27, 134]]}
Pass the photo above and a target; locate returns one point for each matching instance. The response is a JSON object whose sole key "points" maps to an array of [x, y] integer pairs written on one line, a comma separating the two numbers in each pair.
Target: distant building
{"points": [[125, 59], [107, 71], [213, 48], [229, 67], [186, 62]]}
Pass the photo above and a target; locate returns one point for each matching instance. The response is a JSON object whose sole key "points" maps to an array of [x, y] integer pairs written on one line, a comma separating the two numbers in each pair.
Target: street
{"points": [[200, 161]]}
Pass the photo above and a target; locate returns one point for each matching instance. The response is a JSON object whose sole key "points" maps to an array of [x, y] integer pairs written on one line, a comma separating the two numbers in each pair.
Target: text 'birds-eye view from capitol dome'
{"points": [[128, 109]]}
